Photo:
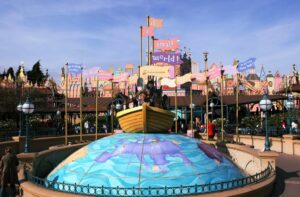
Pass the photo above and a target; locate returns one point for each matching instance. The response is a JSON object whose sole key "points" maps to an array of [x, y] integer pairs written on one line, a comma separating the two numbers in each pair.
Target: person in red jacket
{"points": [[211, 130]]}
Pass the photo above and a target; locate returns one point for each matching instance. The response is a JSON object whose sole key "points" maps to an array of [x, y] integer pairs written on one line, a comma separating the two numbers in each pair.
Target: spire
{"points": [[262, 73]]}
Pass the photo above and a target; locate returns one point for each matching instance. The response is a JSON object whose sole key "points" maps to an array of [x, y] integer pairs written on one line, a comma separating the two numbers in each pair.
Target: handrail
{"points": [[150, 191]]}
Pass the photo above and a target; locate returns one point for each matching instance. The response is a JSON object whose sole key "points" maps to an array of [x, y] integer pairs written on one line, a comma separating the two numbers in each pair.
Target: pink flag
{"points": [[147, 31]]}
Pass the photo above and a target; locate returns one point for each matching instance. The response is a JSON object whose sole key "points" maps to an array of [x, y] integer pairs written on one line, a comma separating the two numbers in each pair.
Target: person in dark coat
{"points": [[9, 175]]}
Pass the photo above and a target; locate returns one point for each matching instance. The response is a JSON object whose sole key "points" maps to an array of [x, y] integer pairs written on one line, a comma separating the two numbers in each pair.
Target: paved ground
{"points": [[288, 176]]}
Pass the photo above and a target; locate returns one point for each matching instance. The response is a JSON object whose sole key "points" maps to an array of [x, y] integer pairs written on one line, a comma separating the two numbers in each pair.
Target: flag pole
{"points": [[111, 106], [80, 135], [153, 44], [237, 106], [97, 94], [66, 105], [148, 54], [176, 129], [191, 106], [206, 89], [141, 52], [222, 107]]}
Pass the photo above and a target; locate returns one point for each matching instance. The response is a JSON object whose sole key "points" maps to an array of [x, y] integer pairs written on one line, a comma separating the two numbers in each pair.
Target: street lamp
{"points": [[212, 109], [192, 106], [112, 116], [58, 118], [19, 108], [265, 104], [28, 109], [289, 106]]}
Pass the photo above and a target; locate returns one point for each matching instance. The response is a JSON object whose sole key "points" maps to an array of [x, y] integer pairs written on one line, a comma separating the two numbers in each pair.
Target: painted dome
{"points": [[145, 160]]}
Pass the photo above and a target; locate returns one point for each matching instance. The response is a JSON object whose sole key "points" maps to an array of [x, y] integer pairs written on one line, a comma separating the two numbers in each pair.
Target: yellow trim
{"points": [[139, 108]]}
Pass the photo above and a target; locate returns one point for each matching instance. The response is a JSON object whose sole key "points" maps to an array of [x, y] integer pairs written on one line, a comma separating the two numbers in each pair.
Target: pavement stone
{"points": [[287, 183]]}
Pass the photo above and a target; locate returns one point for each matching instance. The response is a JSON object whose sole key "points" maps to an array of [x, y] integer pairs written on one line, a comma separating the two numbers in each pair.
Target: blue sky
{"points": [[106, 32]]}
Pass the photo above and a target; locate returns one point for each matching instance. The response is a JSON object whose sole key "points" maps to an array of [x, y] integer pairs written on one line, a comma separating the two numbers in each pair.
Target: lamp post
{"points": [[206, 89], [192, 106], [28, 109], [118, 107], [265, 104], [289, 106], [212, 109], [19, 108], [58, 117], [112, 117]]}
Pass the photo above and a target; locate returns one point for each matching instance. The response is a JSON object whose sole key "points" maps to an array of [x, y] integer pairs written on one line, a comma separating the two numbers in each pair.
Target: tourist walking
{"points": [[9, 175]]}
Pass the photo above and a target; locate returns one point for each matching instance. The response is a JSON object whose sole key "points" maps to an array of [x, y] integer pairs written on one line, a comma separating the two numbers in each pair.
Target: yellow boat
{"points": [[145, 119]]}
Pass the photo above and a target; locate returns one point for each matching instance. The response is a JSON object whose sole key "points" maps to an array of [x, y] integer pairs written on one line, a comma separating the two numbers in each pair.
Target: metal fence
{"points": [[273, 131], [150, 191]]}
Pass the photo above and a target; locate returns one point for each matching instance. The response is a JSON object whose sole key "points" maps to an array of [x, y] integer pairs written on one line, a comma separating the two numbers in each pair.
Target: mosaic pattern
{"points": [[145, 160]]}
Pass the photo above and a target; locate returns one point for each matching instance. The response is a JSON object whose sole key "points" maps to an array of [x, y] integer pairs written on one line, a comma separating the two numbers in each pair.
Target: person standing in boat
{"points": [[142, 97]]}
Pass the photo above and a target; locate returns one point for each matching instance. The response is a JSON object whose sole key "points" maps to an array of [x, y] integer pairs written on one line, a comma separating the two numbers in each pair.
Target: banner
{"points": [[74, 69], [169, 58], [166, 45], [88, 73], [200, 77], [184, 79], [157, 71], [105, 75], [156, 23], [246, 65], [168, 82], [147, 31], [214, 73], [121, 77], [229, 70], [132, 80]]}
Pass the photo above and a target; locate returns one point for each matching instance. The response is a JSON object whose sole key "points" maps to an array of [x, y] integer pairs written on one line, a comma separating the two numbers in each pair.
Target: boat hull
{"points": [[145, 119]]}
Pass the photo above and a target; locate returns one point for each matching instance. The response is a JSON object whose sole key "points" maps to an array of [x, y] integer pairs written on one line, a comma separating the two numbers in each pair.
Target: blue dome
{"points": [[145, 160]]}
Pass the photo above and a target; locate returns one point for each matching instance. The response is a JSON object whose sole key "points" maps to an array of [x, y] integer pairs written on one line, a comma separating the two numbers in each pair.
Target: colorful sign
{"points": [[169, 58], [147, 31], [246, 65], [166, 45], [155, 22]]}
